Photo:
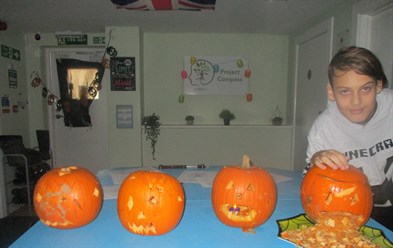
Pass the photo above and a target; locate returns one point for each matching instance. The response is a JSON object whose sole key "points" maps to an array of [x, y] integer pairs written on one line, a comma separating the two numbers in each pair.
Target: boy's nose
{"points": [[356, 99]]}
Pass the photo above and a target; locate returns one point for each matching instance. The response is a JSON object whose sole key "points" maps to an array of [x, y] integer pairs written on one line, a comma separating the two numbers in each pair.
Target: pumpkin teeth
{"points": [[142, 229], [238, 212]]}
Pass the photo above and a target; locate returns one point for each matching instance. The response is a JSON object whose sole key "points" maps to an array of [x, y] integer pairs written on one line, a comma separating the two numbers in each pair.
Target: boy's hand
{"points": [[330, 158]]}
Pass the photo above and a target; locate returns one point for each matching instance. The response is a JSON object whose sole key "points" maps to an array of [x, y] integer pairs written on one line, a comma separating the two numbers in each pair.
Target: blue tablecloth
{"points": [[199, 226]]}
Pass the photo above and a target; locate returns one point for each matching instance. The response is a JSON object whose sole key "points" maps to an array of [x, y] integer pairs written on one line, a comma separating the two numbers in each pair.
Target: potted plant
{"points": [[152, 130], [227, 116], [189, 120]]}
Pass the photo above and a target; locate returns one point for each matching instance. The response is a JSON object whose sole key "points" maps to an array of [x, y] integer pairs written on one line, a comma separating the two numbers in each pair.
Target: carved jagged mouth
{"points": [[144, 230], [57, 224], [238, 212]]}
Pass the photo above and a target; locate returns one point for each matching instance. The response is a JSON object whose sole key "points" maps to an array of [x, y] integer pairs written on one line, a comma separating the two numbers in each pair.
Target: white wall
{"points": [[267, 146], [14, 122], [163, 62]]}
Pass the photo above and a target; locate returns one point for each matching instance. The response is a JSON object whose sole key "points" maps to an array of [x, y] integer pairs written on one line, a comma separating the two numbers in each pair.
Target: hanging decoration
{"points": [[93, 88], [51, 98], [181, 5], [110, 50]]}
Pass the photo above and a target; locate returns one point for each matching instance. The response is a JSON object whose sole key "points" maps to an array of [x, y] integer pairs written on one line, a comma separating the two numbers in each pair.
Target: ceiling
{"points": [[234, 16]]}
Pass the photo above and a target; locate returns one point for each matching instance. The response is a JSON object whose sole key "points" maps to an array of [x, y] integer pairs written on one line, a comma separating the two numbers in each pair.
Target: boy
{"points": [[357, 126]]}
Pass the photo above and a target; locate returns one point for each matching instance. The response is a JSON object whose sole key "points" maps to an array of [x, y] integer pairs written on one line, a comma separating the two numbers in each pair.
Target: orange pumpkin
{"points": [[67, 197], [324, 190], [243, 196], [150, 203]]}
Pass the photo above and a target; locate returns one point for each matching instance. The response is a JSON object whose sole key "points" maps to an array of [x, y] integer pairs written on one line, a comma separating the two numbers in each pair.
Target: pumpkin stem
{"points": [[246, 162]]}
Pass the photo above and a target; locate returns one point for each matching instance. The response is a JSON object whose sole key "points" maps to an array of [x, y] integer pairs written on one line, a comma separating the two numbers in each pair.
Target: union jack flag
{"points": [[165, 4]]}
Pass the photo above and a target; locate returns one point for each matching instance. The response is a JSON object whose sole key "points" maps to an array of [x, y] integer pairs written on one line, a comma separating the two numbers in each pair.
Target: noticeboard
{"points": [[122, 74]]}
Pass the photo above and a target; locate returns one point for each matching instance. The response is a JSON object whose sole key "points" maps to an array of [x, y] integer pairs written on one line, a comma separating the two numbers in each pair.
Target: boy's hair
{"points": [[358, 59]]}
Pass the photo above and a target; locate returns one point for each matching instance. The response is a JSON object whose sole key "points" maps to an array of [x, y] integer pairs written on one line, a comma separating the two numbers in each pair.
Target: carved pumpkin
{"points": [[67, 197], [150, 203], [243, 196], [336, 190]]}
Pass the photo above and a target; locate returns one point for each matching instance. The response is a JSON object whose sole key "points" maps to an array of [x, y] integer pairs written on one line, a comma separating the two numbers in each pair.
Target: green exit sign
{"points": [[72, 39], [9, 52], [99, 40]]}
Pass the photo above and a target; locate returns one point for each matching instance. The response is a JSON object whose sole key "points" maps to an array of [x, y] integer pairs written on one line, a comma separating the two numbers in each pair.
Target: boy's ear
{"points": [[379, 86], [330, 94]]}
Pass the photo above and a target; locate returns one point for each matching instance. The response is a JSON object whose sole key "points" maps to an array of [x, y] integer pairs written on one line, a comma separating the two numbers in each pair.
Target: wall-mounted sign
{"points": [[124, 116], [215, 75], [9, 52], [72, 39], [122, 73], [5, 104], [99, 40], [12, 77]]}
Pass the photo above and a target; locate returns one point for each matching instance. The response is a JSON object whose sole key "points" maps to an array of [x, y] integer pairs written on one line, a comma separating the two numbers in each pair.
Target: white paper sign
{"points": [[215, 75]]}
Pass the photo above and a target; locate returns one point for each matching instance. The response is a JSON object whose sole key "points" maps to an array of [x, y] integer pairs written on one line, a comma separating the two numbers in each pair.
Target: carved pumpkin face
{"points": [[336, 190], [150, 203], [67, 197], [244, 196]]}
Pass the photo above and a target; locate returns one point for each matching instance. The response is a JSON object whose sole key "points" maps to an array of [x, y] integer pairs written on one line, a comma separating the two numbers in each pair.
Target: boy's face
{"points": [[355, 95]]}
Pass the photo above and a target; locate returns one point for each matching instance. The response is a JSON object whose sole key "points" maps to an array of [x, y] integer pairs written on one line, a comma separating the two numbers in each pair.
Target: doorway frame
{"points": [[324, 27], [48, 53], [362, 13]]}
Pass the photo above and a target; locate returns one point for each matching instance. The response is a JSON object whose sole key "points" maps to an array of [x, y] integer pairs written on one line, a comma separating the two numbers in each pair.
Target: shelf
{"points": [[174, 126]]}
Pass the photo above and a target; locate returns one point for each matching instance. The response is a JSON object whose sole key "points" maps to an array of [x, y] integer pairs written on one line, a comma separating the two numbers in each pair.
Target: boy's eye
{"points": [[344, 92], [367, 89]]}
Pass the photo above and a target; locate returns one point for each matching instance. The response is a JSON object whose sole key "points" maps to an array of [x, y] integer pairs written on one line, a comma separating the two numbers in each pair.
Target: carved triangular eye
{"points": [[230, 185], [251, 187]]}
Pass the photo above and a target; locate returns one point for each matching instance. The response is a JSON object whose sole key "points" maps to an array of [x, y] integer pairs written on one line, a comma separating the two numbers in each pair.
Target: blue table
{"points": [[199, 226]]}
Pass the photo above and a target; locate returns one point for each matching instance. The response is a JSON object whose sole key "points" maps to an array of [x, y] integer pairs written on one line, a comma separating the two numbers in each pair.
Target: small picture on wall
{"points": [[124, 117], [122, 74]]}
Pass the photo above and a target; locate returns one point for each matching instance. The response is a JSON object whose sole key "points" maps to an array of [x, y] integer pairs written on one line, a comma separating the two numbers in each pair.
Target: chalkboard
{"points": [[122, 73]]}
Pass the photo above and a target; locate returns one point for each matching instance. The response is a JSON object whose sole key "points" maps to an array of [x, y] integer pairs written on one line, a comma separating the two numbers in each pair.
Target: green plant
{"points": [[189, 118], [152, 130], [227, 115]]}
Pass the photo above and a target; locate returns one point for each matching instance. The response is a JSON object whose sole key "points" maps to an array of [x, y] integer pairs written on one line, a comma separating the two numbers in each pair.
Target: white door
{"points": [[375, 32], [84, 146], [313, 54]]}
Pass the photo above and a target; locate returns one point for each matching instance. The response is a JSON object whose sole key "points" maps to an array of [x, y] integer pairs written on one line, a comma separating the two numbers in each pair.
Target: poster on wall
{"points": [[122, 73], [12, 77], [5, 104], [215, 75], [124, 117]]}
